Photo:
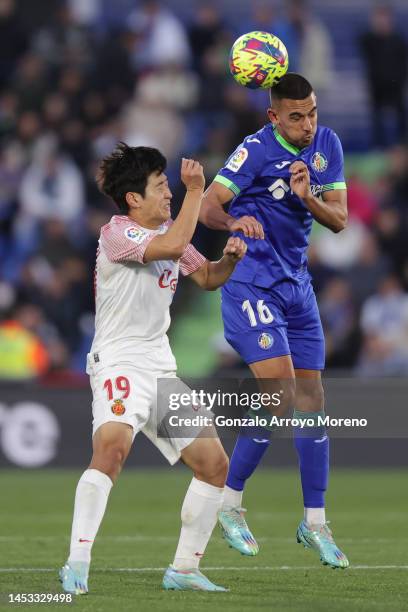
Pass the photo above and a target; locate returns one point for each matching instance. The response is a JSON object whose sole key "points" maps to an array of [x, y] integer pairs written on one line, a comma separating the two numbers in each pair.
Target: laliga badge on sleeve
{"points": [[135, 234], [238, 158]]}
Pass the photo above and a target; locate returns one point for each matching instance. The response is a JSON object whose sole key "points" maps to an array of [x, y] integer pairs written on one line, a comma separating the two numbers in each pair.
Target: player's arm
{"points": [[331, 211], [214, 274], [173, 243], [213, 215]]}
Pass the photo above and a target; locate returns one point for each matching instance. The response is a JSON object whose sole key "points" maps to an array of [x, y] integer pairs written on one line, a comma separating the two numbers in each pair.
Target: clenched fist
{"points": [[235, 249], [192, 174]]}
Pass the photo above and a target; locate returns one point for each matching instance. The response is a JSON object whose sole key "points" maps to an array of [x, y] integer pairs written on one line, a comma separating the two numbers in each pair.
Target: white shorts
{"points": [[126, 392]]}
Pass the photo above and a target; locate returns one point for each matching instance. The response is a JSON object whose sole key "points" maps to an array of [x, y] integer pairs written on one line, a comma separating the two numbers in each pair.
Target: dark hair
{"points": [[292, 86], [128, 169]]}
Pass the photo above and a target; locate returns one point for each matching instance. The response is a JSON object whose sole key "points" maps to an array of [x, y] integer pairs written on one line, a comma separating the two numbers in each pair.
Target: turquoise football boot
{"points": [[188, 580], [320, 539], [74, 577], [236, 532]]}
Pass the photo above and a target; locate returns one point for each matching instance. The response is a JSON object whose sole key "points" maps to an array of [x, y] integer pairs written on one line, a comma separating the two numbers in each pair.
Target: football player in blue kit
{"points": [[276, 183]]}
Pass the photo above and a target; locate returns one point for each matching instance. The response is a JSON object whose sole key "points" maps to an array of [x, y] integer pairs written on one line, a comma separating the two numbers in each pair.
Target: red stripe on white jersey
{"points": [[191, 260]]}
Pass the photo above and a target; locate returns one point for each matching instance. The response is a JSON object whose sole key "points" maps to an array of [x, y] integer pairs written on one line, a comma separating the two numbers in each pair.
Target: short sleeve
{"points": [[243, 166], [191, 260], [123, 243], [333, 176]]}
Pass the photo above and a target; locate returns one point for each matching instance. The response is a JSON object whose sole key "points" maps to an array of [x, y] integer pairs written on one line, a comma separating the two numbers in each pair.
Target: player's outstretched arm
{"points": [[173, 244], [213, 215], [214, 274], [331, 211]]}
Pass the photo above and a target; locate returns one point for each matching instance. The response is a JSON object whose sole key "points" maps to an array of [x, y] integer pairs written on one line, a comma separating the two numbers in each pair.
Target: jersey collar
{"points": [[285, 144]]}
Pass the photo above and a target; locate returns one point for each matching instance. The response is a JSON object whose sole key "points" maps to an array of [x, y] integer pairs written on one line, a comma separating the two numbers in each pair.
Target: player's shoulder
{"points": [[122, 226], [117, 223], [326, 136], [259, 139]]}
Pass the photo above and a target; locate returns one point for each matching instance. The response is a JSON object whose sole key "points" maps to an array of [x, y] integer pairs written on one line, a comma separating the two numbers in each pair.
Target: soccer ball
{"points": [[258, 59]]}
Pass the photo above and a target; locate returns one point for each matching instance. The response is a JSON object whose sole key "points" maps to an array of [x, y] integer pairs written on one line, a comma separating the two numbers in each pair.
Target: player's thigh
{"points": [[305, 331], [254, 321], [173, 428], [207, 457], [309, 390]]}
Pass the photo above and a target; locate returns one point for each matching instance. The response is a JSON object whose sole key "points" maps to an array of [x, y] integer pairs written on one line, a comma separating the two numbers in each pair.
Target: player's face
{"points": [[295, 120], [155, 207]]}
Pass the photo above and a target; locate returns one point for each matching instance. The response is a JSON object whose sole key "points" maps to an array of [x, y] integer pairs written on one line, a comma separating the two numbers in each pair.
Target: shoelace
{"points": [[238, 515], [324, 530]]}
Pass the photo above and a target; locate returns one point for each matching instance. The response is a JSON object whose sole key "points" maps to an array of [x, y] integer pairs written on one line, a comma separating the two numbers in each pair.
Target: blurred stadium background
{"points": [[76, 76]]}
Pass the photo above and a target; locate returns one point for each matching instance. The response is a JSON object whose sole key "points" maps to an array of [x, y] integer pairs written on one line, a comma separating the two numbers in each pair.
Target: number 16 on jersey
{"points": [[264, 314]]}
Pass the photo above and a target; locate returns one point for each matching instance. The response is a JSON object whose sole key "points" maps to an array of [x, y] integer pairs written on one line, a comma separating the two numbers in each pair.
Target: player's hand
{"points": [[249, 226], [235, 249], [300, 180], [192, 174]]}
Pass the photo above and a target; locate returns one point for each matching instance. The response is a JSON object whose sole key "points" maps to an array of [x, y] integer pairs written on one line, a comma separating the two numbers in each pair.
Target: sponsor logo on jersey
{"points": [[168, 280], [237, 159], [253, 140], [135, 234], [319, 162], [278, 189], [265, 341], [316, 190], [118, 408], [282, 164]]}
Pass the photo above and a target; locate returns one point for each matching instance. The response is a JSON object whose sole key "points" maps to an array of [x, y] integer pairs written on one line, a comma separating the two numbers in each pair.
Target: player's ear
{"points": [[133, 199], [272, 115]]}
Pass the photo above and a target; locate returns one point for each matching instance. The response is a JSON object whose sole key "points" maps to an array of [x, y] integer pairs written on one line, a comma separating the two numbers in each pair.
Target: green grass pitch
{"points": [[368, 511]]}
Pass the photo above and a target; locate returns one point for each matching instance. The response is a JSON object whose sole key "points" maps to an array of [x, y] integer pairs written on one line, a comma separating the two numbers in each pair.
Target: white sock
{"points": [[232, 498], [315, 516], [91, 498], [198, 519]]}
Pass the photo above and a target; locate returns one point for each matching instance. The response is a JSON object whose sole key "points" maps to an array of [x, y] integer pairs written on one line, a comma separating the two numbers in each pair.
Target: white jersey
{"points": [[133, 298]]}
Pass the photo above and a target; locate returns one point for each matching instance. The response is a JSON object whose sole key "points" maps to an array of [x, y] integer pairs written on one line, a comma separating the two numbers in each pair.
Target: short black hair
{"points": [[292, 86], [128, 169]]}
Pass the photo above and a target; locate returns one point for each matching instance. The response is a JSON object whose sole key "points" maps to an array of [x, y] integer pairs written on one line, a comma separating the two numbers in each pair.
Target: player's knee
{"points": [[213, 469], [310, 397], [109, 459], [287, 398]]}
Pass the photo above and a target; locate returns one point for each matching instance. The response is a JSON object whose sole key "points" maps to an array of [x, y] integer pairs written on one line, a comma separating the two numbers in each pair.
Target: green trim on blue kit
{"points": [[299, 414], [227, 183], [333, 186], [285, 144]]}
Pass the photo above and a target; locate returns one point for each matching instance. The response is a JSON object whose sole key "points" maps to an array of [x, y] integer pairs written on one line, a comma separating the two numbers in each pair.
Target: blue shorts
{"points": [[284, 320]]}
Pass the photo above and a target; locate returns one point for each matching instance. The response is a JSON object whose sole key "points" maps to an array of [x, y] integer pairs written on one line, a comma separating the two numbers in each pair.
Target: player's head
{"points": [[134, 178], [293, 109]]}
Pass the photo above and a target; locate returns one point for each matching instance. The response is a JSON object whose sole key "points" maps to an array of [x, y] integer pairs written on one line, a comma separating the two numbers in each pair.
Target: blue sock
{"points": [[312, 445], [249, 449]]}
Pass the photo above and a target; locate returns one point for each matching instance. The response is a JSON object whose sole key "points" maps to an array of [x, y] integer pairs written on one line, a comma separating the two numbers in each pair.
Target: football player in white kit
{"points": [[139, 257]]}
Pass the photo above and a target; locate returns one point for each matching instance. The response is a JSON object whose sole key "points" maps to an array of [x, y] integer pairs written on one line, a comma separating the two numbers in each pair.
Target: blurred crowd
{"points": [[77, 76]]}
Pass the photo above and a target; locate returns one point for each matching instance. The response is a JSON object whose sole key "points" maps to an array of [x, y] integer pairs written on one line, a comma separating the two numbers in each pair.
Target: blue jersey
{"points": [[258, 174]]}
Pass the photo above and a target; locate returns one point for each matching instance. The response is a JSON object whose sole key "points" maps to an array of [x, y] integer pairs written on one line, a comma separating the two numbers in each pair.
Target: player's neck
{"points": [[290, 146], [143, 222]]}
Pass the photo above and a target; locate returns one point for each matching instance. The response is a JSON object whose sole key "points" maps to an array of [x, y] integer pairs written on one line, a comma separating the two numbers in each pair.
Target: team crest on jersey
{"points": [[237, 159], [118, 408], [265, 341], [319, 162], [136, 234]]}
